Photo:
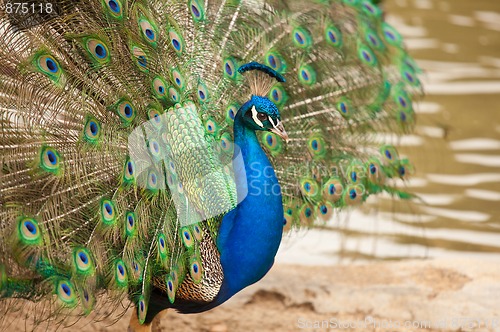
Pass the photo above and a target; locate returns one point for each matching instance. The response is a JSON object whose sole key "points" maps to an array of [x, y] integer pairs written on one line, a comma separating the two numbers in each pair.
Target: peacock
{"points": [[153, 152]]}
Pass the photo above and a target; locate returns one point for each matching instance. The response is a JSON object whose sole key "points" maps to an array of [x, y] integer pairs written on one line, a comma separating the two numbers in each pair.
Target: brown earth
{"points": [[432, 295], [429, 295]]}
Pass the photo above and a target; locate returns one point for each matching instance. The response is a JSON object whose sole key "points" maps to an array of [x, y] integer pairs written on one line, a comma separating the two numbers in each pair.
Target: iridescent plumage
{"points": [[138, 162]]}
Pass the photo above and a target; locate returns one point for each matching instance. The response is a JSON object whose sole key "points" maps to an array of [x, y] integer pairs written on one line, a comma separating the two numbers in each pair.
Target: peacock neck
{"points": [[249, 235]]}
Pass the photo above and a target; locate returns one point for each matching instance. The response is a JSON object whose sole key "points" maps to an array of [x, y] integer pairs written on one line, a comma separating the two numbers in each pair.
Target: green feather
{"points": [[115, 9], [83, 262], [66, 293]]}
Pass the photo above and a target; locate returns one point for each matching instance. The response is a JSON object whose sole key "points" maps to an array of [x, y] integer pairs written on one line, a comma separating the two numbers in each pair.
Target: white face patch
{"points": [[272, 122], [255, 119]]}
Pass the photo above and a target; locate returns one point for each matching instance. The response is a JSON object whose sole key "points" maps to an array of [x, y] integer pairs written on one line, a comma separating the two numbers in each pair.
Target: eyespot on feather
{"points": [[371, 9], [114, 8], [149, 31], [345, 108], [130, 224], [333, 36], [202, 92], [367, 56], [121, 278], [176, 41], [231, 111], [136, 269], [50, 160], [197, 10], [66, 293], [272, 142], [126, 111], [372, 39], [307, 215], [87, 300], [108, 212], [211, 127], [155, 116], [353, 195], [128, 171], [317, 146], [97, 50], [155, 149], [310, 188], [171, 289], [178, 79], [197, 232], [389, 154], [162, 246], [405, 169], [196, 268], [140, 58], [82, 261], [187, 237], [391, 35], [306, 75], [29, 231], [356, 172], [374, 171], [301, 37], [324, 210], [91, 130], [142, 309], [229, 67], [153, 181], [226, 143], [159, 87], [275, 61], [173, 94], [278, 95], [332, 189]]}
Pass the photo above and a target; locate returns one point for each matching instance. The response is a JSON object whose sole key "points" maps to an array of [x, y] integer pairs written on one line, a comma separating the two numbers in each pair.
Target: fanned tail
{"points": [[100, 101]]}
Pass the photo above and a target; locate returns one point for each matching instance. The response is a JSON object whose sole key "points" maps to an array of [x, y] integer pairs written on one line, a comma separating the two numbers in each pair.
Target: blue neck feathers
{"points": [[249, 235]]}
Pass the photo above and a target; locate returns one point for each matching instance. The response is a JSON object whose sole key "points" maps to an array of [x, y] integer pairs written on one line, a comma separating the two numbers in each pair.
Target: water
{"points": [[456, 152]]}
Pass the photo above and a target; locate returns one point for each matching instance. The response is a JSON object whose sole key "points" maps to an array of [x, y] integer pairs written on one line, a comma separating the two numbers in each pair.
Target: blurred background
{"points": [[455, 150]]}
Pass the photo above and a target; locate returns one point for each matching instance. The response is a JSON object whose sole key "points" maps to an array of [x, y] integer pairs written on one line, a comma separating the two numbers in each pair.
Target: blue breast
{"points": [[250, 234]]}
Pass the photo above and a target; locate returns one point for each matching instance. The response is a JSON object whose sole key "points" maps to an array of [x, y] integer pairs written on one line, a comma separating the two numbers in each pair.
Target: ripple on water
{"points": [[489, 61], [478, 159], [427, 107], [437, 199], [464, 21], [423, 4], [485, 195], [463, 88], [491, 20], [475, 144], [429, 131], [406, 140], [468, 216], [464, 179]]}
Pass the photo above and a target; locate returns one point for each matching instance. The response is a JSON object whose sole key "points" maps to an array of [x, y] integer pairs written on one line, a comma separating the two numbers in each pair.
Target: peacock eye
{"points": [[261, 116]]}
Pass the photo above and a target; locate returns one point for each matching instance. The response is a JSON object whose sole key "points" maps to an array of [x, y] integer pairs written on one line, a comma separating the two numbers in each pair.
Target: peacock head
{"points": [[260, 113]]}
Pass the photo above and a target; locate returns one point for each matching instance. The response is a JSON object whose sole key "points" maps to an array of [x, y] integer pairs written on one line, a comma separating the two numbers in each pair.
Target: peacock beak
{"points": [[280, 131]]}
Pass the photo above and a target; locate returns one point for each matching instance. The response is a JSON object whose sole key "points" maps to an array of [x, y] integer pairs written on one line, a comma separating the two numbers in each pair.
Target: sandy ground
{"points": [[411, 295], [423, 295]]}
